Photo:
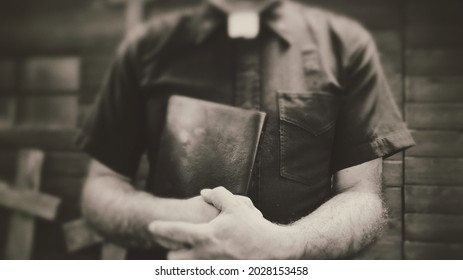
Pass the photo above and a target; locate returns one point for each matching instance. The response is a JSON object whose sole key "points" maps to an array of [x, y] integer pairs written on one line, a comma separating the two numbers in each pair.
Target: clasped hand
{"points": [[238, 232]]}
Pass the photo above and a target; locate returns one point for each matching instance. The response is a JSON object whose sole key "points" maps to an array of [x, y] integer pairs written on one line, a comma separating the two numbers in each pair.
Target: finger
{"points": [[181, 255], [220, 197], [246, 200], [179, 232]]}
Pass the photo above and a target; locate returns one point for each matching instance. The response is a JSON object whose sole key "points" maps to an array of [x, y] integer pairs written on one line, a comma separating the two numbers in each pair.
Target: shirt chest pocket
{"points": [[307, 122]]}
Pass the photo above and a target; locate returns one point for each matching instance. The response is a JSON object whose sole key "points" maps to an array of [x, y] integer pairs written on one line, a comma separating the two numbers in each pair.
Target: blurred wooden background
{"points": [[53, 55]]}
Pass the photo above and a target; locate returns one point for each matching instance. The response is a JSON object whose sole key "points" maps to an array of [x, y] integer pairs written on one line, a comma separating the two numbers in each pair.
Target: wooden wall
{"points": [[434, 110], [53, 55]]}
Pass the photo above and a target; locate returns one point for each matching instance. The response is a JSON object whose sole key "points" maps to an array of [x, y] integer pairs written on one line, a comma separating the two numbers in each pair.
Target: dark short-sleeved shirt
{"points": [[322, 86]]}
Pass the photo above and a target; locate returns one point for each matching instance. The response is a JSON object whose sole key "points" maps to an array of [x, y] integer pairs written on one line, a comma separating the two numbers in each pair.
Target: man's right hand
{"points": [[121, 213]]}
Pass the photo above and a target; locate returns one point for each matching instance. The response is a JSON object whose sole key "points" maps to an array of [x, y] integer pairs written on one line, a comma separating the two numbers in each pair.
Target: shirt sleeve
{"points": [[113, 133], [369, 124]]}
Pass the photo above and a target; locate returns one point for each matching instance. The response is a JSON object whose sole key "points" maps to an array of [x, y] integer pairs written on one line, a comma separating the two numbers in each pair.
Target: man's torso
{"points": [[299, 87]]}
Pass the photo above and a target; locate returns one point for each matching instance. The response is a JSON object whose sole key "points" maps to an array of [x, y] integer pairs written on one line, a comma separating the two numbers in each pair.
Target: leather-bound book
{"points": [[206, 145]]}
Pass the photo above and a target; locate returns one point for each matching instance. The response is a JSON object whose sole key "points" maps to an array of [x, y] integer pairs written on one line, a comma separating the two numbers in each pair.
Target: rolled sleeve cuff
{"points": [[384, 147]]}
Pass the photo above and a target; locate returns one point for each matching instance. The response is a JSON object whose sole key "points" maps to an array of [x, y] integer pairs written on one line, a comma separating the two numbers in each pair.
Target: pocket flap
{"points": [[314, 112]]}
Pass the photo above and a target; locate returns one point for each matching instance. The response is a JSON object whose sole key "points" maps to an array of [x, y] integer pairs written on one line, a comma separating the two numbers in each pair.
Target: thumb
{"points": [[220, 197]]}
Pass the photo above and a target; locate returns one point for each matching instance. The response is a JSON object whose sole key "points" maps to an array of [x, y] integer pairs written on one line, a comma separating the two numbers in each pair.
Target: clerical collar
{"points": [[209, 18]]}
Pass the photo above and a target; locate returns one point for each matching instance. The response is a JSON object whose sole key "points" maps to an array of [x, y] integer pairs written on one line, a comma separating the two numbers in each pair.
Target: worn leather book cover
{"points": [[206, 145]]}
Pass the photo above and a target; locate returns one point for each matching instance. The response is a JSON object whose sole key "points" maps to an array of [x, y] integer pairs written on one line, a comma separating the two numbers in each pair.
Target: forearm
{"points": [[121, 213], [340, 227]]}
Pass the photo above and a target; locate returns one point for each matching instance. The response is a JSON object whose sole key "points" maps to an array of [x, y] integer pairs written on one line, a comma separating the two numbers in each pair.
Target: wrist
{"points": [[198, 211], [291, 243]]}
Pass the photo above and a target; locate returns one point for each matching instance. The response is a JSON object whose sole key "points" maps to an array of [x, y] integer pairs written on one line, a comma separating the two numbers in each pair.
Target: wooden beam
{"points": [[429, 63], [111, 251], [48, 112], [20, 236], [439, 116], [434, 228], [29, 202], [134, 14], [65, 187], [435, 89], [434, 36], [437, 143], [43, 139], [434, 200], [433, 12], [8, 163], [94, 67], [66, 164], [78, 28], [392, 173], [433, 251], [434, 171], [374, 14], [79, 236]]}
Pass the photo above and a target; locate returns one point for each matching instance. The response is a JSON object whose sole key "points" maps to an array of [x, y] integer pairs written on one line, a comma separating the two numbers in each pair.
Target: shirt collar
{"points": [[209, 18]]}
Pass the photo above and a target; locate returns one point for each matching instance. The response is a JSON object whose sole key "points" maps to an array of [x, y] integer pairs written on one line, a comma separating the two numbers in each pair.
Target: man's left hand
{"points": [[238, 232]]}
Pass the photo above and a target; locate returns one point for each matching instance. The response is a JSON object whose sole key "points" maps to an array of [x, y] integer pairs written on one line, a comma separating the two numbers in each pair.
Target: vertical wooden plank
{"points": [[437, 143], [60, 27], [434, 200], [434, 228], [438, 116], [94, 67], [393, 173], [20, 236], [8, 162], [7, 111], [434, 171], [435, 89], [134, 13], [36, 138], [78, 235], [51, 73], [433, 251], [111, 251], [51, 112], [435, 62], [7, 74]]}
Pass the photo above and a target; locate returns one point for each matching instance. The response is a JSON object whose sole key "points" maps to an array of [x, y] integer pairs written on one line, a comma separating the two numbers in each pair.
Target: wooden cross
{"points": [[76, 233], [134, 14], [79, 236], [26, 203]]}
